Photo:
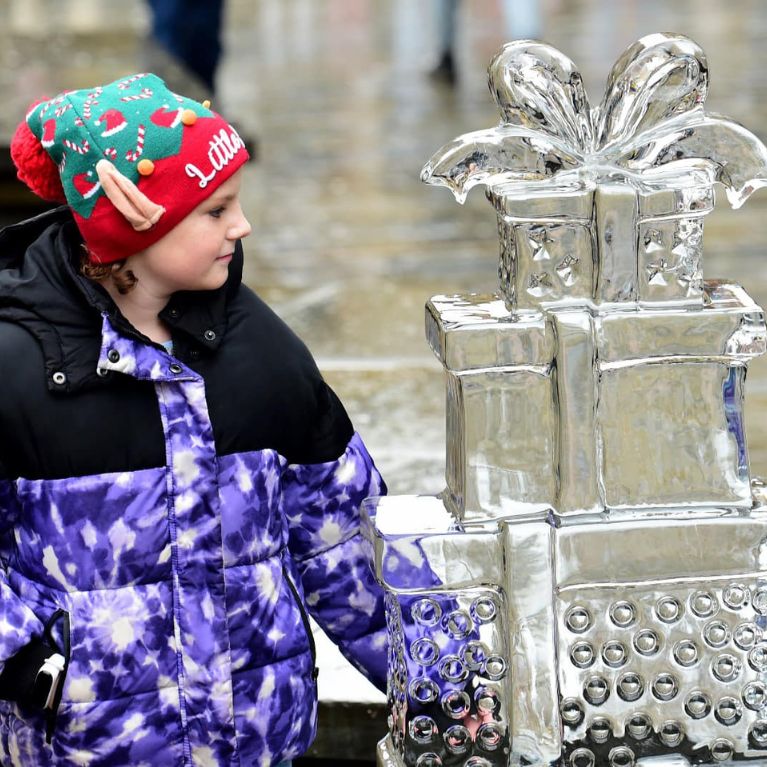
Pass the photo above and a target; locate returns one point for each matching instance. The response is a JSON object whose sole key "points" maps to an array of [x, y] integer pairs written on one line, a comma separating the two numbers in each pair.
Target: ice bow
{"points": [[650, 127]]}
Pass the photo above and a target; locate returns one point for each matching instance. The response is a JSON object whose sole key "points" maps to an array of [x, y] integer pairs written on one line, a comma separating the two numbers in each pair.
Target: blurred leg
{"points": [[190, 31], [523, 18], [445, 13]]}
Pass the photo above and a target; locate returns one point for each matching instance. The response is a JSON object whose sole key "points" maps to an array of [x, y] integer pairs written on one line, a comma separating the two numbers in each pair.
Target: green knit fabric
{"points": [[82, 127]]}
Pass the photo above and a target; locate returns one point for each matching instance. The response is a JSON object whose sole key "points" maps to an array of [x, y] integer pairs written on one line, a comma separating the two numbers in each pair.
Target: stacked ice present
{"points": [[591, 587]]}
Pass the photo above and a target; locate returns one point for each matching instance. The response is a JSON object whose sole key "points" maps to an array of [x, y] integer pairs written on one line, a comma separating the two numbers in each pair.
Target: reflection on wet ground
{"points": [[348, 243]]}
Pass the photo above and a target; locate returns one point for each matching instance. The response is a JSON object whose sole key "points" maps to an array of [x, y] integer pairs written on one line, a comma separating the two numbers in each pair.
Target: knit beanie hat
{"points": [[131, 159]]}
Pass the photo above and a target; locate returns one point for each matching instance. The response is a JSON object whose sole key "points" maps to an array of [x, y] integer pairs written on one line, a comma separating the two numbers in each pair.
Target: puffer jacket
{"points": [[181, 509]]}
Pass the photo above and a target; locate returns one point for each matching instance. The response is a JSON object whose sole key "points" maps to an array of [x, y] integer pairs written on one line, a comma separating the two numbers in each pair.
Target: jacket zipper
{"points": [[304, 620]]}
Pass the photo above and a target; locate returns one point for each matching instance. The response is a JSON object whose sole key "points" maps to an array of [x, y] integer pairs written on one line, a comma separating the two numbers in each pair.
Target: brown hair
{"points": [[124, 279]]}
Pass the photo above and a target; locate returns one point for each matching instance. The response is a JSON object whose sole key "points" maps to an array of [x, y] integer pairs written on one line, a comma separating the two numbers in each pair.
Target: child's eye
{"points": [[216, 212]]}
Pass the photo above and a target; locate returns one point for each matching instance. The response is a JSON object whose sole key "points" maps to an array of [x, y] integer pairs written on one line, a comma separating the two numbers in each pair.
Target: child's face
{"points": [[195, 254]]}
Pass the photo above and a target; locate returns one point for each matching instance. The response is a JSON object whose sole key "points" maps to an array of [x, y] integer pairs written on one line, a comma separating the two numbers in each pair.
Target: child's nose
{"points": [[240, 228]]}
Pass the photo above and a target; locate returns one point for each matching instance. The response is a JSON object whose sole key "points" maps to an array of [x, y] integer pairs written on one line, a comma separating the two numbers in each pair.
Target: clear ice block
{"points": [[591, 586], [578, 410]]}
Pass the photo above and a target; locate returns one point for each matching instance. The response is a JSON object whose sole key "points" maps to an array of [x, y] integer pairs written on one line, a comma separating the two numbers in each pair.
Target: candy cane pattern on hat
{"points": [[63, 108], [126, 83], [146, 93], [133, 155], [111, 153], [82, 148], [90, 102]]}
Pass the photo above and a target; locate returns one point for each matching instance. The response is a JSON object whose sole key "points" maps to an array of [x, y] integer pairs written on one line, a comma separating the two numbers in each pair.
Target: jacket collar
{"points": [[42, 290]]}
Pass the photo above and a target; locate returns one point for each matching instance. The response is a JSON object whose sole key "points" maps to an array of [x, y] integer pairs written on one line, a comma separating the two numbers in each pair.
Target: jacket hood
{"points": [[42, 290]]}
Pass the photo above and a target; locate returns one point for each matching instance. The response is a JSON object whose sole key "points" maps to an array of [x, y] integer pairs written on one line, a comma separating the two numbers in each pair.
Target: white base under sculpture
{"points": [[591, 587]]}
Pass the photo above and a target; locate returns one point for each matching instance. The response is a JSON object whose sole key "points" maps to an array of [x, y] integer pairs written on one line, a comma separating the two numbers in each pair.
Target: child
{"points": [[178, 485]]}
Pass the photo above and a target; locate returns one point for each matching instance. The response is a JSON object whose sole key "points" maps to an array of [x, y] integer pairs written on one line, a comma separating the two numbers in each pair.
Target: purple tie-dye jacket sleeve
{"points": [[322, 504], [18, 624]]}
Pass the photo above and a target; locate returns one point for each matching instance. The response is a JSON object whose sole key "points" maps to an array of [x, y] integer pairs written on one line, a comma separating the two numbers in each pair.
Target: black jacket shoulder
{"points": [[279, 392]]}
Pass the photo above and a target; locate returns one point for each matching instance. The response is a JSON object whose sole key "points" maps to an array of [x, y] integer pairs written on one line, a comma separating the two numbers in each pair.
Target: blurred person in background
{"points": [[189, 31], [522, 20]]}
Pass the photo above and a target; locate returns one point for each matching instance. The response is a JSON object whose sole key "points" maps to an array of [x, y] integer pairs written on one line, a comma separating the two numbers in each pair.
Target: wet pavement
{"points": [[348, 244]]}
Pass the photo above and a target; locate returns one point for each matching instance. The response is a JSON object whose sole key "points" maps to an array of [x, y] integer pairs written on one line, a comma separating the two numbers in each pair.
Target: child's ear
{"points": [[139, 211]]}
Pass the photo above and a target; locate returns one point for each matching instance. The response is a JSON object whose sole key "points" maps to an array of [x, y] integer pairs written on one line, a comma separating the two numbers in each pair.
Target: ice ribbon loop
{"points": [[656, 79], [651, 124], [538, 88]]}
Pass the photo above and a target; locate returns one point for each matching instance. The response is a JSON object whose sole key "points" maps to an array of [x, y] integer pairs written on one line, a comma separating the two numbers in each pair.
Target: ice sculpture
{"points": [[591, 587]]}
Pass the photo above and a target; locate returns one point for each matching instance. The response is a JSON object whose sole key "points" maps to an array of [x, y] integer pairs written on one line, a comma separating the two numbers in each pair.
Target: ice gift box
{"points": [[591, 587]]}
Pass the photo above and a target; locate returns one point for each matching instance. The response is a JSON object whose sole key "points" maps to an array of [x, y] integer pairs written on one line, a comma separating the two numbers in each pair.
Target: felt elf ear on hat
{"points": [[139, 211], [130, 158]]}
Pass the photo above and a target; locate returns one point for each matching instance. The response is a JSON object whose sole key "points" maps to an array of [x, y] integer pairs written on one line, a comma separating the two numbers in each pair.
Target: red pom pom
{"points": [[34, 165]]}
